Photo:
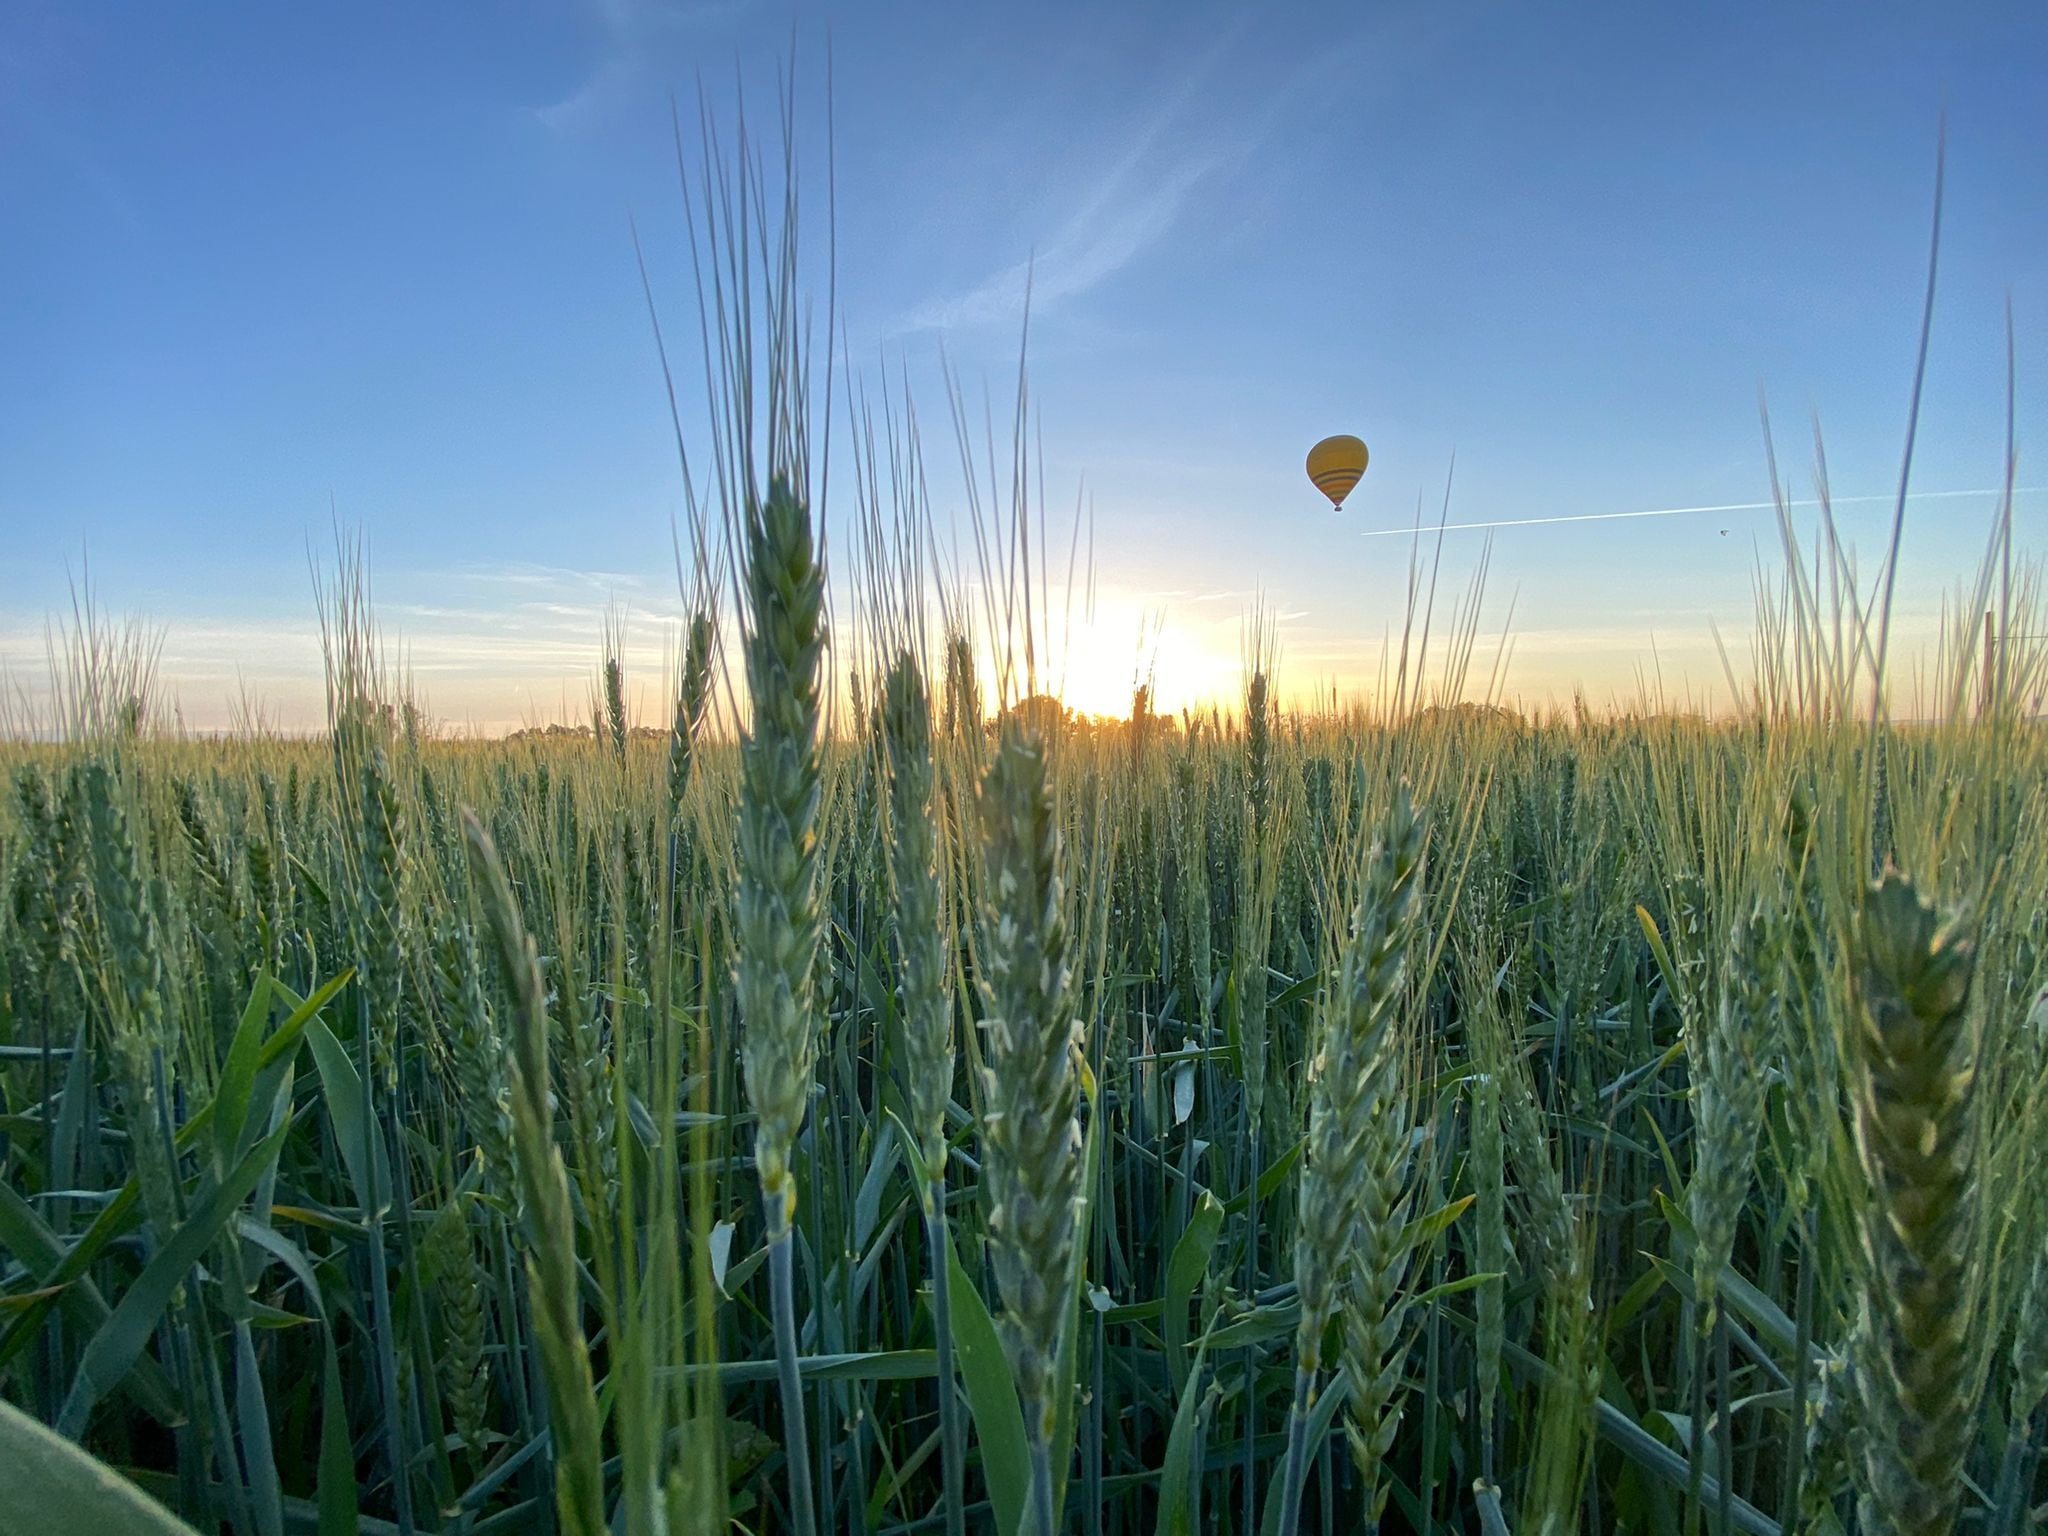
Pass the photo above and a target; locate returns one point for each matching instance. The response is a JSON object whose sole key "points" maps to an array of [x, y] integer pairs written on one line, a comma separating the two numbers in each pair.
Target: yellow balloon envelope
{"points": [[1335, 466]]}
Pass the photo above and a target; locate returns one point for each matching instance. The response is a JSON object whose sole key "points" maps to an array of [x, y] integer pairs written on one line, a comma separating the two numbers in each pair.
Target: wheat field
{"points": [[875, 1102]]}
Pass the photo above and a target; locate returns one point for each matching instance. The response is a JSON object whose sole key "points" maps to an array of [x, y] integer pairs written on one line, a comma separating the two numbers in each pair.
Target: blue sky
{"points": [[264, 267]]}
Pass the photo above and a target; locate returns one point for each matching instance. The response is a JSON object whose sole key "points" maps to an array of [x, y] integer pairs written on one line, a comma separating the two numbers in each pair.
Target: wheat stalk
{"points": [[921, 934], [778, 924], [1031, 1137], [927, 1010], [1191, 883], [1488, 1178], [551, 1259], [693, 700], [1729, 1049], [1914, 1053], [1352, 1162], [448, 1264], [1728, 1046], [1374, 1311]]}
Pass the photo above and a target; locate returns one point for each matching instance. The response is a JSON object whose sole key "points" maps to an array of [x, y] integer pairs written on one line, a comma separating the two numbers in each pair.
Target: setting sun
{"points": [[1100, 660]]}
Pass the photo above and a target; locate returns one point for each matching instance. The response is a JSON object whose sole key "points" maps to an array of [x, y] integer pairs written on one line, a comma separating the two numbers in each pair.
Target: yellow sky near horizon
{"points": [[489, 670]]}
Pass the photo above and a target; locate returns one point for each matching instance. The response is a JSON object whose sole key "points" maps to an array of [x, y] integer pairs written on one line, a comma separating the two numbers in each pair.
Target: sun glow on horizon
{"points": [[1098, 661]]}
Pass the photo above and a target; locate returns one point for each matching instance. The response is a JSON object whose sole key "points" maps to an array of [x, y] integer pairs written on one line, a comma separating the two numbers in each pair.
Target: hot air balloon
{"points": [[1335, 465]]}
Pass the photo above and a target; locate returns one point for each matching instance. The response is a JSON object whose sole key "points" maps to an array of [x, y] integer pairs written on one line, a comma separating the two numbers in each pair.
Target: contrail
{"points": [[1729, 506]]}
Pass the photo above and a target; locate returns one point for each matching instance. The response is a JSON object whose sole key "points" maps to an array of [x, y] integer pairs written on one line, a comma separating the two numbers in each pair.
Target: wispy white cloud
{"points": [[530, 574], [1091, 246], [1131, 206], [1150, 183], [1190, 595], [479, 642], [572, 113], [632, 37]]}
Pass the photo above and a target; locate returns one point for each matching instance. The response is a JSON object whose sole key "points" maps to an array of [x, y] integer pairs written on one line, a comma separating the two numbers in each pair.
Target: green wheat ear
{"points": [[1376, 966], [963, 691], [461, 1285], [1914, 1070], [920, 920], [1031, 1137], [693, 699], [1355, 1069], [778, 924], [1348, 1244], [1728, 1050], [551, 1267], [778, 919], [615, 708], [923, 944]]}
